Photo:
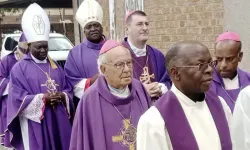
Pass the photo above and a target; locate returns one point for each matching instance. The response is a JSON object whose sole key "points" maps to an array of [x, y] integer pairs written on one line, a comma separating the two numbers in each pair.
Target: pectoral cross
{"points": [[50, 85], [145, 77], [127, 135]]}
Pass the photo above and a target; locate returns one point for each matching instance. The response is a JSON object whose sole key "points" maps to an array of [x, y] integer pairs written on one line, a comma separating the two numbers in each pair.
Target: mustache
{"points": [[94, 32]]}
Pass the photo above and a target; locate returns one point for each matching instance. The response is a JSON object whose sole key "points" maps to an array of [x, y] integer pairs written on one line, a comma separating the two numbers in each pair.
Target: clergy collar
{"points": [[122, 93], [235, 78], [95, 46], [103, 89], [38, 61], [242, 77], [231, 84], [184, 99], [138, 52]]}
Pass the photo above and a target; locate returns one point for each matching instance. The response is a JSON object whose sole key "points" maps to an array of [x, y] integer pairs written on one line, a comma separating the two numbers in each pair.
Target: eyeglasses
{"points": [[201, 66], [121, 65]]}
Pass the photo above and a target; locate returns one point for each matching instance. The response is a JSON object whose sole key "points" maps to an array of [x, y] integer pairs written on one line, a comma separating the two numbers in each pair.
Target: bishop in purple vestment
{"points": [[81, 67], [189, 116], [228, 79], [149, 65], [39, 100], [6, 65], [108, 113]]}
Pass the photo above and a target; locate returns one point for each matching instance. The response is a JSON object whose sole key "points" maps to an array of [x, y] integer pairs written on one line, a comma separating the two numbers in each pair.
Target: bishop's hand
{"points": [[153, 89], [61, 97], [54, 99]]}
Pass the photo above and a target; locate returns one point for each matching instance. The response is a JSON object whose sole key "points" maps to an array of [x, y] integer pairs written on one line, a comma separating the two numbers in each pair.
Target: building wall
{"points": [[175, 20], [237, 19]]}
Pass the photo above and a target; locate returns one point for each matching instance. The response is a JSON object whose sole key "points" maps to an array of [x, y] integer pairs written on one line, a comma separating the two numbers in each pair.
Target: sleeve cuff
{"points": [[80, 88], [35, 109], [6, 91], [87, 84], [67, 104], [164, 88]]}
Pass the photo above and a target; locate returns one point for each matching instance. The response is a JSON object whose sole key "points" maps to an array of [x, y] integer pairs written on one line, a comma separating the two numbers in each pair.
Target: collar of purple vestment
{"points": [[102, 88], [126, 44], [95, 46], [179, 130], [243, 78], [52, 63]]}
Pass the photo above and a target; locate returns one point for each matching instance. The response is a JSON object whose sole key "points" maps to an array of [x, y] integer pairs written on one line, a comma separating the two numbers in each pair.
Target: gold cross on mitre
{"points": [[127, 135], [145, 77], [50, 85]]}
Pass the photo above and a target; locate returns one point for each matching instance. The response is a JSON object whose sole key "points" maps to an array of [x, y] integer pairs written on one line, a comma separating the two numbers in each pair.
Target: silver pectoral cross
{"points": [[50, 85]]}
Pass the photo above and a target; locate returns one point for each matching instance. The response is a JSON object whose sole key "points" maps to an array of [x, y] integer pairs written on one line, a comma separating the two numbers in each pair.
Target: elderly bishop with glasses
{"points": [[108, 113], [190, 116]]}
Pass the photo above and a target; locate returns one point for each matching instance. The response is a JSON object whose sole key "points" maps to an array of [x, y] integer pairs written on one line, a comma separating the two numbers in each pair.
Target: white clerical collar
{"points": [[124, 93], [231, 84], [184, 99], [138, 52], [39, 61]]}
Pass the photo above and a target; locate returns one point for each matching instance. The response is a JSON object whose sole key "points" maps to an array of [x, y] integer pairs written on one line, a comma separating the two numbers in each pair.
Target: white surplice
{"points": [[153, 135], [241, 121]]}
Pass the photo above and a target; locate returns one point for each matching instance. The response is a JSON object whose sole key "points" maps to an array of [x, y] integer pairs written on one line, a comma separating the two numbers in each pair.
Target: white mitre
{"points": [[35, 24], [89, 10]]}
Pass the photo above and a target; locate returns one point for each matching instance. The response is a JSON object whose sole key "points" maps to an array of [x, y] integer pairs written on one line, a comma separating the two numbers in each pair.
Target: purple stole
{"points": [[180, 132]]}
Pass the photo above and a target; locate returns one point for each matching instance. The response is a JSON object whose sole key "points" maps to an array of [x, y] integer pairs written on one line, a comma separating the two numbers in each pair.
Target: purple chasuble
{"points": [[230, 96], [156, 64], [26, 81], [6, 65], [179, 130], [82, 61], [99, 126]]}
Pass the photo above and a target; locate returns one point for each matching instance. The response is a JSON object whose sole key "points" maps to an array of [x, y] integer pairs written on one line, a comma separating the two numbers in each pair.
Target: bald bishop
{"points": [[189, 116]]}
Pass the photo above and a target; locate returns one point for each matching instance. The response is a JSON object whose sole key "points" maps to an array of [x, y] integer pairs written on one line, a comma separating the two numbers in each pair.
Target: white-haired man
{"points": [[108, 112]]}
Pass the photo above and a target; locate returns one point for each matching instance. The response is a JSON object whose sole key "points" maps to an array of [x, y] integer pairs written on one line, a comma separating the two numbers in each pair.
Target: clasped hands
{"points": [[54, 99], [153, 89]]}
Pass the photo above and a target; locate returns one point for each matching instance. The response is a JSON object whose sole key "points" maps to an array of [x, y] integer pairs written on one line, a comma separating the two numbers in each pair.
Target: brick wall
{"points": [[176, 20]]}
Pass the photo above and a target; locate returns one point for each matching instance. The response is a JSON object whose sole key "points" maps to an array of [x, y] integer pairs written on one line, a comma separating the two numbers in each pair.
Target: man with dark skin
{"points": [[40, 98], [81, 67], [188, 112], [39, 50], [228, 79]]}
